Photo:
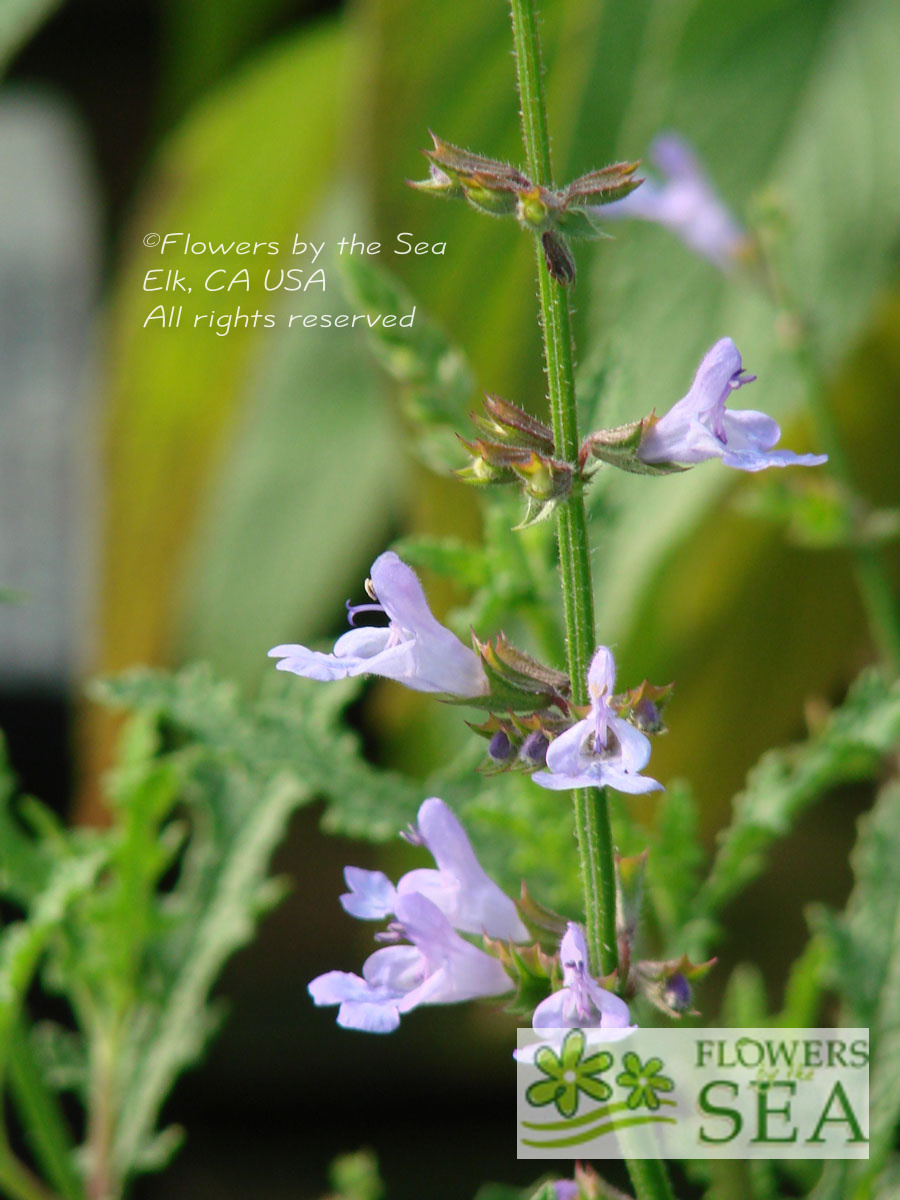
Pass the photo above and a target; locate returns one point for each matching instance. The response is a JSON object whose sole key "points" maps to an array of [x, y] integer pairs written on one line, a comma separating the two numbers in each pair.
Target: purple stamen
{"points": [[411, 834], [392, 935]]}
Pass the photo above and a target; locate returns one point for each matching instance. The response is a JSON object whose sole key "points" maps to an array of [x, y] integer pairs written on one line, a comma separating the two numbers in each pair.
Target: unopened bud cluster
{"points": [[496, 188], [517, 448]]}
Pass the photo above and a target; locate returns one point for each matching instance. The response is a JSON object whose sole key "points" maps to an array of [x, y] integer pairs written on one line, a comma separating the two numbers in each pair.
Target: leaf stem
{"points": [[42, 1118]]}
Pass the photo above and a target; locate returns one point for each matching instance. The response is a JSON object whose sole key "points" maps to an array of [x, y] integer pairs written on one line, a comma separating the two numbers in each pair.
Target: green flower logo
{"points": [[569, 1073], [644, 1080]]}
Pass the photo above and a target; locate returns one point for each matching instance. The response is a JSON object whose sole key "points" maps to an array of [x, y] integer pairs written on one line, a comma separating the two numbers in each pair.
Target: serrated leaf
{"points": [[24, 864], [851, 746], [173, 1034], [23, 942], [675, 861], [292, 728], [864, 968]]}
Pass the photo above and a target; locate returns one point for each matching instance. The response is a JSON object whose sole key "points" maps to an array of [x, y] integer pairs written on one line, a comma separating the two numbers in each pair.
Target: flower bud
{"points": [[500, 747], [513, 425], [534, 748], [544, 478], [559, 261], [608, 184], [678, 993]]}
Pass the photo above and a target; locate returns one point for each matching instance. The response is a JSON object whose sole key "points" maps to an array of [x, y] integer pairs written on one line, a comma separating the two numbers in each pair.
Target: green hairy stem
{"points": [[592, 822]]}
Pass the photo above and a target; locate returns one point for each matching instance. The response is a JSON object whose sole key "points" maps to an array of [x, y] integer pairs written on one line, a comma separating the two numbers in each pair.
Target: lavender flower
{"points": [[459, 888], [581, 1002], [699, 426], [439, 967], [414, 649], [603, 750], [684, 202]]}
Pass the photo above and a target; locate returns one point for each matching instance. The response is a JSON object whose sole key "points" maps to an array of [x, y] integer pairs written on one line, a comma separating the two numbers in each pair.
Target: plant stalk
{"points": [[591, 811], [592, 822]]}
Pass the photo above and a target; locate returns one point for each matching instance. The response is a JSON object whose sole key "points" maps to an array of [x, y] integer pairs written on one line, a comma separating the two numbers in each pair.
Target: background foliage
{"points": [[248, 482]]}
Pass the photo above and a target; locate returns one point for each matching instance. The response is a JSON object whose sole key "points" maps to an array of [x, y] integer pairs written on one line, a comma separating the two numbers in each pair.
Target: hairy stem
{"points": [[102, 1182], [591, 811]]}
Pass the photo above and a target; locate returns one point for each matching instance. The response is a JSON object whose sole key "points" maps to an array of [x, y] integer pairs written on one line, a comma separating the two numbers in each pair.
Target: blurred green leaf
{"points": [[745, 1003], [864, 969], [815, 513], [851, 745], [19, 19], [435, 378], [25, 864], [293, 731], [229, 172], [500, 1191], [23, 942], [467, 565], [356, 1177], [805, 985], [311, 479], [675, 865]]}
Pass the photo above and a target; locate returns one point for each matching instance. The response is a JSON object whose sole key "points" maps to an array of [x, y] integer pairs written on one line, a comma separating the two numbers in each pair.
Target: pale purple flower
{"points": [[699, 426], [603, 750], [459, 888], [566, 1189], [685, 202], [581, 1002], [439, 967], [414, 648]]}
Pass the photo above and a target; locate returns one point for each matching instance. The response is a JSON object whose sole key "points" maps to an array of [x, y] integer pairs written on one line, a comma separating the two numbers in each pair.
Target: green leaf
{"points": [[864, 969], [356, 1177], [674, 867], [178, 395], [24, 864], [19, 19], [436, 379], [851, 746], [293, 729], [745, 1004], [22, 945], [218, 906], [460, 561], [805, 985]]}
